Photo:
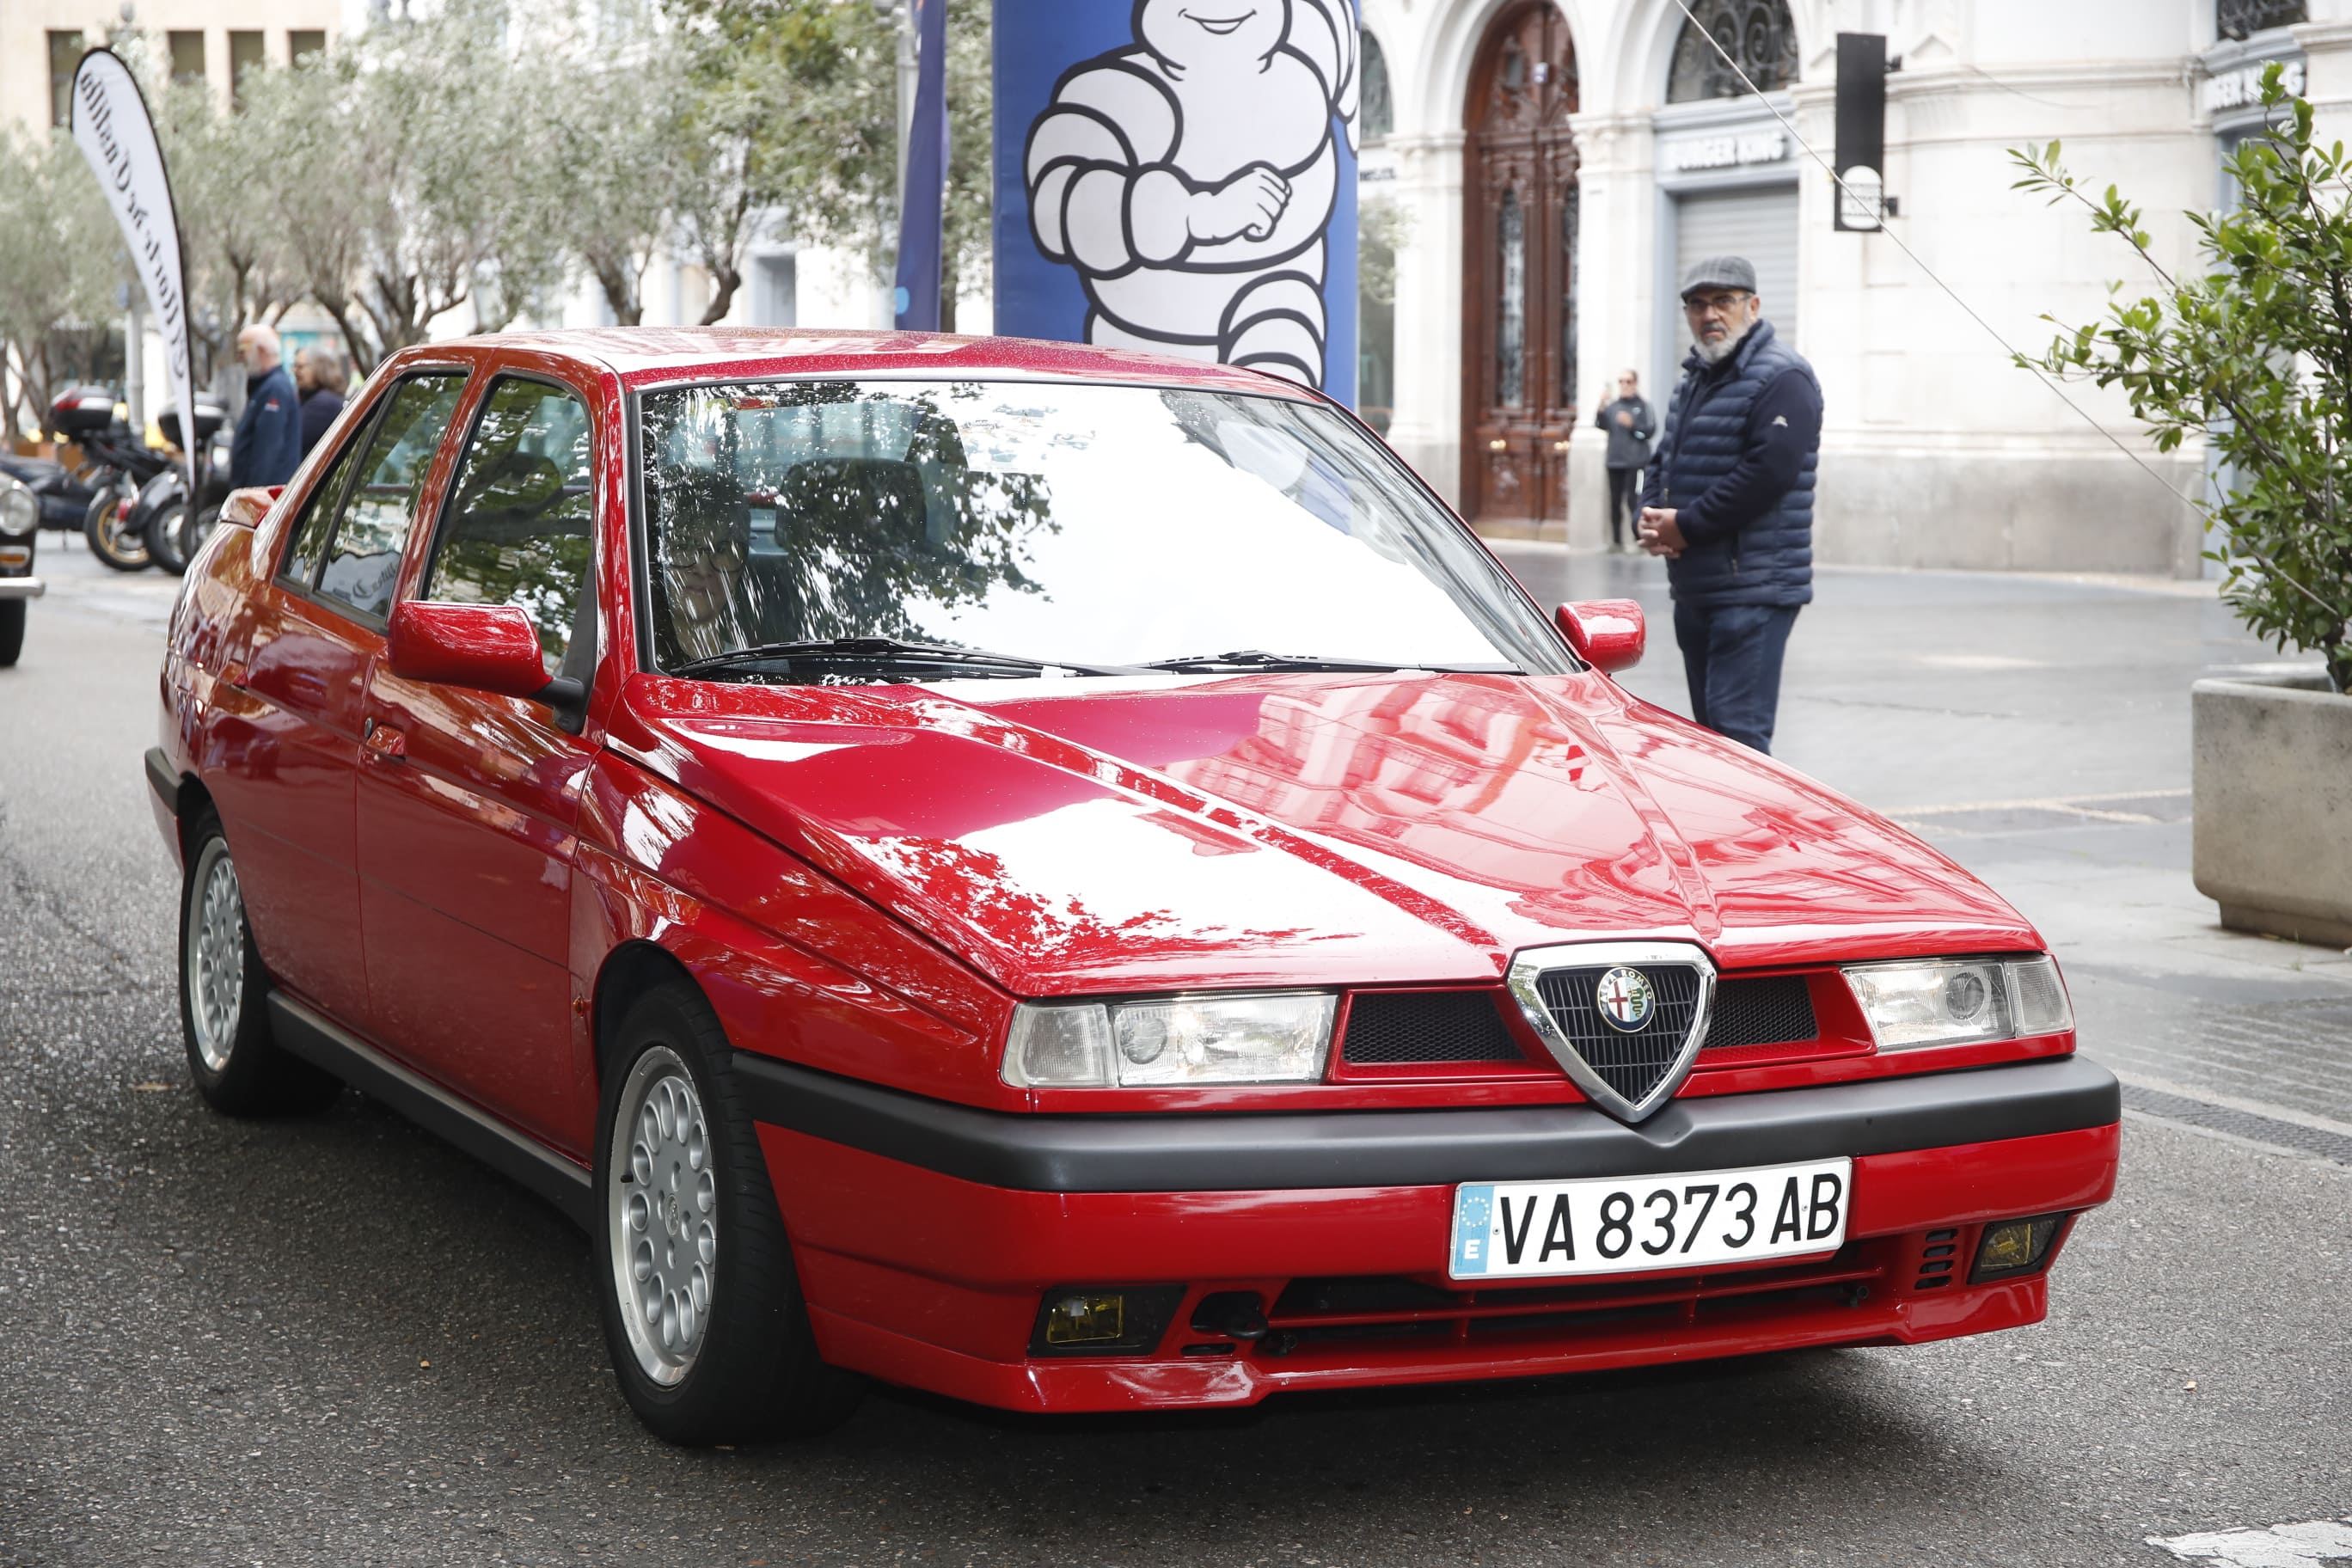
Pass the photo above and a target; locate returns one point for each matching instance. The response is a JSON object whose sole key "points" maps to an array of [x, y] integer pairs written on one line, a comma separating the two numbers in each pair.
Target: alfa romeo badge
{"points": [[1625, 999]]}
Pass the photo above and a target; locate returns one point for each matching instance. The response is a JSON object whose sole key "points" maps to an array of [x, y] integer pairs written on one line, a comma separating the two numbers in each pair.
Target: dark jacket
{"points": [[319, 411], [267, 446], [1736, 464], [1628, 448]]}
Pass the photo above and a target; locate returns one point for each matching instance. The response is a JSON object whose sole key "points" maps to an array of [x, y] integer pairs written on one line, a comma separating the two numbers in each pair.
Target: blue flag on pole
{"points": [[921, 213]]}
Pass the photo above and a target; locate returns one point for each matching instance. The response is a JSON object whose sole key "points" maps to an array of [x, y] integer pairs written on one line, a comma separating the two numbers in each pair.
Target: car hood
{"points": [[1073, 836]]}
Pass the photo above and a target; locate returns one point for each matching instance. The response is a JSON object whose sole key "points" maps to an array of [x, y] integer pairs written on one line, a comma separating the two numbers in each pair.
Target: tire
{"points": [[175, 533], [726, 1354], [121, 548], [238, 1067], [12, 631]]}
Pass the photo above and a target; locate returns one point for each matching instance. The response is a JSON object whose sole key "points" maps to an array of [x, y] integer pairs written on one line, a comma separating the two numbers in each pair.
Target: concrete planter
{"points": [[2273, 775]]}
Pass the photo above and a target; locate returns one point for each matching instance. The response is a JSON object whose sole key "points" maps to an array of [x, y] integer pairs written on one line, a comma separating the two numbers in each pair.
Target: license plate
{"points": [[1521, 1230]]}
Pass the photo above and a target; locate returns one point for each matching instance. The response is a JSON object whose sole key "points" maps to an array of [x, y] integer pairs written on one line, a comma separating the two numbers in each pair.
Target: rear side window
{"points": [[303, 556], [518, 528], [364, 557]]}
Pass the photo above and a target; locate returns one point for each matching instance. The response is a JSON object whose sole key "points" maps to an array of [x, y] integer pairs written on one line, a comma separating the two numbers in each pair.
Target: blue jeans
{"points": [[1732, 654]]}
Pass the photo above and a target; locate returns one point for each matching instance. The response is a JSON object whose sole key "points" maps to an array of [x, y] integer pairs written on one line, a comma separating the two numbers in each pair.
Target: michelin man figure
{"points": [[1190, 179]]}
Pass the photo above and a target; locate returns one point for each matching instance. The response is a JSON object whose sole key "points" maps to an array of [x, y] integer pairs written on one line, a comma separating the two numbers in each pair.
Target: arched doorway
{"points": [[1519, 327]]}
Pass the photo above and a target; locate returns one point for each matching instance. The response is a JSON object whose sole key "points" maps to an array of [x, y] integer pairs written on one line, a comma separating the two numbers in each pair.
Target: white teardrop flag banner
{"points": [[115, 133]]}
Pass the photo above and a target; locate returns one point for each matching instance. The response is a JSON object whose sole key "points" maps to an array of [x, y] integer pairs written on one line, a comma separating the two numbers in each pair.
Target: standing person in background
{"points": [[1729, 502], [1630, 423], [318, 379], [267, 446]]}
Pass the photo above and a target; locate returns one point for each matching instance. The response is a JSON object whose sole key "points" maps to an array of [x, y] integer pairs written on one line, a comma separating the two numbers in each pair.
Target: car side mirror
{"points": [[1607, 634], [487, 647]]}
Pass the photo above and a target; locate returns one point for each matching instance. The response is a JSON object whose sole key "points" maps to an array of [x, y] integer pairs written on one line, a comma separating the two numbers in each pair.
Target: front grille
{"points": [[1770, 1010], [1631, 1062], [1385, 1027], [1390, 1307]]}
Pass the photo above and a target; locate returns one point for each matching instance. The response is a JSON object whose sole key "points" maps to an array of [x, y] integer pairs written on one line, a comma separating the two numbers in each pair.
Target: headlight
{"points": [[20, 509], [1957, 1002], [1171, 1042]]}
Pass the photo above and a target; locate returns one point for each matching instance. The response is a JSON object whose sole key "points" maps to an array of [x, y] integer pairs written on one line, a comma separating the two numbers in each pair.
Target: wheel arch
{"points": [[193, 802], [628, 971]]}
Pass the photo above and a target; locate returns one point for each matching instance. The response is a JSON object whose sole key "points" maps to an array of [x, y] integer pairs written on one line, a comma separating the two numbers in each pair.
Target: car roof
{"points": [[652, 357]]}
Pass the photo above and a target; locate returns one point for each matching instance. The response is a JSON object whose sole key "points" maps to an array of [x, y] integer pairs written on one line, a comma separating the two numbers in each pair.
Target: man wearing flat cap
{"points": [[1728, 500]]}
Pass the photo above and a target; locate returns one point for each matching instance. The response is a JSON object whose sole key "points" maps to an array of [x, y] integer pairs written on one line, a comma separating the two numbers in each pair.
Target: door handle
{"points": [[1498, 445], [384, 742], [1559, 445]]}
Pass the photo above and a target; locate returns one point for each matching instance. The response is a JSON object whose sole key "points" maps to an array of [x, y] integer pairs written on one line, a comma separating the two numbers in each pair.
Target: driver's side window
{"points": [[518, 530]]}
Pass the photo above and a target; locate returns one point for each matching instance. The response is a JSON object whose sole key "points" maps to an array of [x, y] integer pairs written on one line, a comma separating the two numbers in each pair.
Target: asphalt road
{"points": [[334, 1340]]}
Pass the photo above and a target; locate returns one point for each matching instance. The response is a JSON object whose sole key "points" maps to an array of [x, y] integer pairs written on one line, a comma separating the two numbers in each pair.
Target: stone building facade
{"points": [[1547, 165]]}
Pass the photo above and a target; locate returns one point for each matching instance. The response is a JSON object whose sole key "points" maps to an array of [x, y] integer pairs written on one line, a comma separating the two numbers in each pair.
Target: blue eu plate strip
{"points": [[1474, 1219]]}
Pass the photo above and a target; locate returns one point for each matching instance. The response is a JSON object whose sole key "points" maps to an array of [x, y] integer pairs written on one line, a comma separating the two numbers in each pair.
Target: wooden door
{"points": [[1519, 327]]}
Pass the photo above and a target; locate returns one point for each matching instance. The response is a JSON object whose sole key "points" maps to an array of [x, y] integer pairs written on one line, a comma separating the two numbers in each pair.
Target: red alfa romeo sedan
{"points": [[1071, 881]]}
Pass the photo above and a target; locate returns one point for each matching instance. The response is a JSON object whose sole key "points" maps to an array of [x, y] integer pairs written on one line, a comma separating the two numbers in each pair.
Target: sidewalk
{"points": [[2036, 730]]}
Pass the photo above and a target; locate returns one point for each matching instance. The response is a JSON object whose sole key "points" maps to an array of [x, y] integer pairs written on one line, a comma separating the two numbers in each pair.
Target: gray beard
{"points": [[1724, 347]]}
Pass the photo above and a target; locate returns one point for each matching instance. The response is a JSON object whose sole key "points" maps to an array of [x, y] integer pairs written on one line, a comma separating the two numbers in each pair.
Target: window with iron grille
{"points": [[2242, 19], [1757, 34], [65, 58]]}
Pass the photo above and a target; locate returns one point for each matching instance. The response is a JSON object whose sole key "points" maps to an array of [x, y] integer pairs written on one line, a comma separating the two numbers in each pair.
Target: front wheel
{"points": [[238, 1067], [701, 1307], [112, 539], [12, 631]]}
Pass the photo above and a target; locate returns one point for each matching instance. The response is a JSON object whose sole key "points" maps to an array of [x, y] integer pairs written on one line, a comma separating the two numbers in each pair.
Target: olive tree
{"points": [[409, 178], [60, 265], [2255, 357]]}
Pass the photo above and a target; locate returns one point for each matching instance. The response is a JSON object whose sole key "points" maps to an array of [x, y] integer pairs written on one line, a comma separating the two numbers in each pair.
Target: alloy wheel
{"points": [[663, 1214], [213, 965]]}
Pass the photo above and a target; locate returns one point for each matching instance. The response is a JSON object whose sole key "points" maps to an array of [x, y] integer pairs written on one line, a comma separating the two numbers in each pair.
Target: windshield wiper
{"points": [[1259, 658], [881, 651]]}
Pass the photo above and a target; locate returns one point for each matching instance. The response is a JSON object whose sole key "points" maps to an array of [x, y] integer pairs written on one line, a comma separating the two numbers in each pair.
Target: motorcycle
{"points": [[115, 466], [163, 514]]}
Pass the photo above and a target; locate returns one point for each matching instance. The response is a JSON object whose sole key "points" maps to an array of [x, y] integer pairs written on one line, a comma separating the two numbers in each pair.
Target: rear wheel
{"points": [[176, 533], [237, 1067], [702, 1310], [110, 540], [12, 631]]}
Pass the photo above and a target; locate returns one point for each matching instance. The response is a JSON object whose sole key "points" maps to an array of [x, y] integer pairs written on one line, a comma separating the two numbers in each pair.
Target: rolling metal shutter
{"points": [[1759, 222]]}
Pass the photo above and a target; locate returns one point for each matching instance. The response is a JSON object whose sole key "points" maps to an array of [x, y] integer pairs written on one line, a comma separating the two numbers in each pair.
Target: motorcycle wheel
{"points": [[176, 533], [111, 539]]}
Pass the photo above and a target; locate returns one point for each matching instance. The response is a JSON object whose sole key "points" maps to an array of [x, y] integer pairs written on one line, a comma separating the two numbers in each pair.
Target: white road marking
{"points": [[2303, 1545]]}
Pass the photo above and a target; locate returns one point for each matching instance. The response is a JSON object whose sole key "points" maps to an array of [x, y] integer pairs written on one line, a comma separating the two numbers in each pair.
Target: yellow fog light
{"points": [[1086, 1318], [15, 555], [2014, 1247]]}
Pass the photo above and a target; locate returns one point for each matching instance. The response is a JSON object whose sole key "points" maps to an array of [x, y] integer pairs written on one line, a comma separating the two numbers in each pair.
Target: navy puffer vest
{"points": [[1770, 560]]}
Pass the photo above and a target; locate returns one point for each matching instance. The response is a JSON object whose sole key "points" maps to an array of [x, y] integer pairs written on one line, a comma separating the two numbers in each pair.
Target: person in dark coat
{"points": [[1729, 501], [1631, 424], [318, 381], [267, 446]]}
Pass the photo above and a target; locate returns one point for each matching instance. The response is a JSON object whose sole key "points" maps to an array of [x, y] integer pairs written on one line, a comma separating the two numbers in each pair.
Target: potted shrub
{"points": [[2255, 357]]}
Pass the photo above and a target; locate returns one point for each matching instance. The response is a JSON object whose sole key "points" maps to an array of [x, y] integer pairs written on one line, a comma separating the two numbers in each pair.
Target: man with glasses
{"points": [[1729, 501]]}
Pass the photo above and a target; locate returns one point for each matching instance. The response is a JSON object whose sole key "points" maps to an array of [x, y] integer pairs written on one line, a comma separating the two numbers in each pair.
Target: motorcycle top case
{"points": [[81, 411], [210, 417]]}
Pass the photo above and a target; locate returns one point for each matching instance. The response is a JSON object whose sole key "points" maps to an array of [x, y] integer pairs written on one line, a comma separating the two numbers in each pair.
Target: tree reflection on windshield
{"points": [[822, 510], [1092, 527]]}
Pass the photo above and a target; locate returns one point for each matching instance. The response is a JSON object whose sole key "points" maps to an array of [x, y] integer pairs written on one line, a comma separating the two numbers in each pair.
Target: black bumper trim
{"points": [[164, 779], [1259, 1151]]}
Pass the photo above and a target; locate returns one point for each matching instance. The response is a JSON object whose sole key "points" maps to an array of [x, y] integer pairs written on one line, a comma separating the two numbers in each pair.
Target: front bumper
{"points": [[22, 587], [927, 1233]]}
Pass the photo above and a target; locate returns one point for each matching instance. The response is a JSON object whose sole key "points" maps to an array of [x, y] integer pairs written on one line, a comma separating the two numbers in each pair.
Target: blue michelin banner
{"points": [[1179, 176]]}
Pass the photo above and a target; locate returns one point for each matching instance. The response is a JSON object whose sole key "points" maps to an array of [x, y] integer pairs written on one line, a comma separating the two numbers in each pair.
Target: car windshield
{"points": [[827, 530]]}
